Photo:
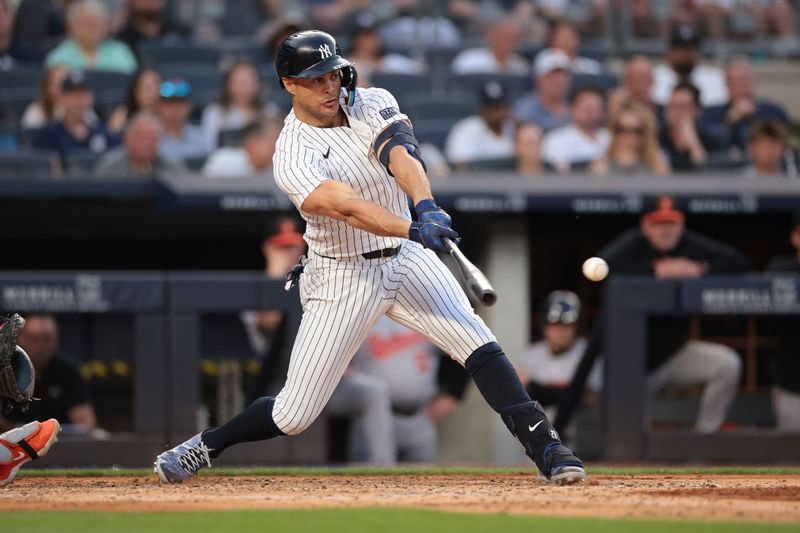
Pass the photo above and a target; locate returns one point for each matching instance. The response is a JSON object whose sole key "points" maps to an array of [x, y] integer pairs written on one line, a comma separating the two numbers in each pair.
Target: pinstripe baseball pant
{"points": [[341, 302]]}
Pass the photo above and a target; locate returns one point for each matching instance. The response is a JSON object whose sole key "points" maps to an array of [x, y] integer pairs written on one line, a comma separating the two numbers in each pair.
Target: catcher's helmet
{"points": [[561, 307], [312, 53]]}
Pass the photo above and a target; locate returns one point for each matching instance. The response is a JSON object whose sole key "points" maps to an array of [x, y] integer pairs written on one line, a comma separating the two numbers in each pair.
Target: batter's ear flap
{"points": [[349, 82]]}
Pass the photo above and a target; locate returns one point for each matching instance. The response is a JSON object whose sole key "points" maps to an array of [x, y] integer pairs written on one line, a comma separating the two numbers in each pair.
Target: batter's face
{"points": [[316, 100]]}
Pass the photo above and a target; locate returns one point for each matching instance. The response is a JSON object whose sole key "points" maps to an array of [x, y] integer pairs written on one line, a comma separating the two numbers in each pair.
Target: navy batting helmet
{"points": [[312, 53], [561, 307]]}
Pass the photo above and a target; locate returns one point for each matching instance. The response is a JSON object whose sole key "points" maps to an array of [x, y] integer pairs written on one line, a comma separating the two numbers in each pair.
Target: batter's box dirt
{"points": [[771, 498]]}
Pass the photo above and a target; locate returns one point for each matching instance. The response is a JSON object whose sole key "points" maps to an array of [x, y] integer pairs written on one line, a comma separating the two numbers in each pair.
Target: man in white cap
{"points": [[547, 106]]}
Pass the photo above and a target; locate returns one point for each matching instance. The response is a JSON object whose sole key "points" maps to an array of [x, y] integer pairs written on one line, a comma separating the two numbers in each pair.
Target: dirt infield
{"points": [[773, 498]]}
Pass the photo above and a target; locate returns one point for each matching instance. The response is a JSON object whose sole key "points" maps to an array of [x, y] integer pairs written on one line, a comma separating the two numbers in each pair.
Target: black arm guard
{"points": [[396, 134]]}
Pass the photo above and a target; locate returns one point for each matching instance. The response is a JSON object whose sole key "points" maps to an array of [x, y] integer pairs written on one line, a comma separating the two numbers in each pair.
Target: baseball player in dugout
{"points": [[17, 376], [348, 160], [663, 247]]}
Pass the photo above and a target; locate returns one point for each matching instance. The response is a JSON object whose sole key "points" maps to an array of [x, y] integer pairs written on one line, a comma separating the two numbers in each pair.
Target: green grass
{"points": [[432, 470], [350, 521]]}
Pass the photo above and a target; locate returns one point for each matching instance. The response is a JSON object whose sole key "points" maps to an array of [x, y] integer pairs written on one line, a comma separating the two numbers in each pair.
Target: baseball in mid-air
{"points": [[595, 269]]}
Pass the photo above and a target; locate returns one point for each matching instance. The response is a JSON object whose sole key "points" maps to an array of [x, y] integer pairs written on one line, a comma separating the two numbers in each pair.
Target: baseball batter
{"points": [[348, 160]]}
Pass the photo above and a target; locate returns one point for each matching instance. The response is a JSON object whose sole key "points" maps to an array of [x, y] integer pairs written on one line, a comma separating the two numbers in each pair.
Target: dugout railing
{"points": [[629, 302]]}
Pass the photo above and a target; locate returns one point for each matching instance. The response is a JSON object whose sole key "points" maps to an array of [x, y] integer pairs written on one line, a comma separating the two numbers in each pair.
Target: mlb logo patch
{"points": [[389, 112]]}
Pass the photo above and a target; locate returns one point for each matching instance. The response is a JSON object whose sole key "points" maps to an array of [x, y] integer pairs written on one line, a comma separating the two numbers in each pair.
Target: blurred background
{"points": [[147, 243]]}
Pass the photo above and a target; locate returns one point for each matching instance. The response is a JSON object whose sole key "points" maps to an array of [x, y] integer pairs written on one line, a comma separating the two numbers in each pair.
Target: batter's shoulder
{"points": [[375, 99]]}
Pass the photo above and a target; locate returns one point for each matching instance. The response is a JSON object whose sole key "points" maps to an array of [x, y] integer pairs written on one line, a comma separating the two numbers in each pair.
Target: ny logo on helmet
{"points": [[325, 51]]}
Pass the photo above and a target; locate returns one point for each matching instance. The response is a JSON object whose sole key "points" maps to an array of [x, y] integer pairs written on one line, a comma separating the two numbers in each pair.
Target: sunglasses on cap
{"points": [[175, 89]]}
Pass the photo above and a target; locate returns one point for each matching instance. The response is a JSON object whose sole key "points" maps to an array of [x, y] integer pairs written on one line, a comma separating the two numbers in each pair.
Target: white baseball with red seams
{"points": [[595, 269]]}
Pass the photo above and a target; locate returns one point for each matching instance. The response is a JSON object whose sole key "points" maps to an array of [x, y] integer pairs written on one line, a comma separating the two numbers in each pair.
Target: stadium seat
{"points": [[515, 84], [27, 164], [428, 106], [202, 77], [81, 163], [13, 102], [401, 85], [169, 51], [606, 82], [106, 80], [24, 76], [229, 137], [433, 131], [492, 164], [247, 49]]}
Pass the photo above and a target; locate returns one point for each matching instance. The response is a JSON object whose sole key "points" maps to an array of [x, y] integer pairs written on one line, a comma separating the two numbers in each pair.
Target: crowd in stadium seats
{"points": [[499, 85]]}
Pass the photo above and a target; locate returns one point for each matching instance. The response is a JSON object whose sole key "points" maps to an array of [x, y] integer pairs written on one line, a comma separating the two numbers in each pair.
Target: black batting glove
{"points": [[432, 235]]}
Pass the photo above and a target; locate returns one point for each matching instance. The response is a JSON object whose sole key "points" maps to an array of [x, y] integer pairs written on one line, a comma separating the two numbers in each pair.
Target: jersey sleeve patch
{"points": [[389, 112]]}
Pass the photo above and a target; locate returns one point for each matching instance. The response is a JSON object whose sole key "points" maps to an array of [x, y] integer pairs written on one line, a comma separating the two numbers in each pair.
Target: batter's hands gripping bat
{"points": [[472, 276]]}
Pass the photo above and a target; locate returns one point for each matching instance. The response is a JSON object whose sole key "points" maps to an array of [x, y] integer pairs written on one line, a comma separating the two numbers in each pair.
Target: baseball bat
{"points": [[472, 276]]}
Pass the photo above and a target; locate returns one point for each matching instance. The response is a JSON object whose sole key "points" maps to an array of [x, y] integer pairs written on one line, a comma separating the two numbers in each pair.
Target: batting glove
{"points": [[428, 211], [432, 235]]}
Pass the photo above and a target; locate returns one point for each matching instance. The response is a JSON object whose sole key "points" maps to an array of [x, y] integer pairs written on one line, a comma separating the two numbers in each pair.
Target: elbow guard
{"points": [[396, 134]]}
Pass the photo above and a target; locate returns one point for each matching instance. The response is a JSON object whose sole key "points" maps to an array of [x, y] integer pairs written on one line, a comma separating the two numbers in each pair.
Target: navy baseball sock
{"points": [[253, 423]]}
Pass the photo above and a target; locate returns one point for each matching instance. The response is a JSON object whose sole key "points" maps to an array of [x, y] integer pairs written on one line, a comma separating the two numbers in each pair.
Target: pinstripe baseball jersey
{"points": [[305, 156]]}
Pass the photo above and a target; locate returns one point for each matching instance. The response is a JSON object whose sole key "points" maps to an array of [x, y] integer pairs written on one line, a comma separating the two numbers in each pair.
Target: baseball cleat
{"points": [[23, 444], [564, 466], [183, 461]]}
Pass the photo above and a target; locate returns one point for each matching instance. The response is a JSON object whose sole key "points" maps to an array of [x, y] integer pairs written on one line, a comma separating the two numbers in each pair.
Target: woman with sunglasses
{"points": [[634, 145]]}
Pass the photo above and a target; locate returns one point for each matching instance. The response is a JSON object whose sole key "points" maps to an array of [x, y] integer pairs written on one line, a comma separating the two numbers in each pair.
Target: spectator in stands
{"points": [[6, 25], [47, 107], [498, 56], [682, 56], [784, 363], [362, 398], [179, 138], [664, 248], [547, 106], [767, 15], [74, 131], [138, 156], [564, 36], [87, 45], [148, 20], [577, 145], [527, 149], [546, 368], [253, 159], [682, 136], [634, 145], [487, 135], [38, 27], [734, 118], [142, 95], [60, 391], [369, 53], [636, 85], [589, 14], [239, 103], [767, 147]]}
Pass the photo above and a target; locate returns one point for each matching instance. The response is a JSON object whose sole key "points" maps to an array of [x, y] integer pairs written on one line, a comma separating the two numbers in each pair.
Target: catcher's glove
{"points": [[16, 370]]}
